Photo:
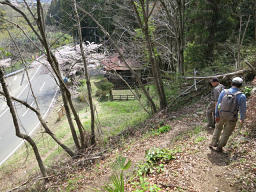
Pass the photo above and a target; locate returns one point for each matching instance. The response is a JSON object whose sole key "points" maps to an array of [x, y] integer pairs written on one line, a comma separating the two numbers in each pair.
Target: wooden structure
{"points": [[123, 97], [115, 67]]}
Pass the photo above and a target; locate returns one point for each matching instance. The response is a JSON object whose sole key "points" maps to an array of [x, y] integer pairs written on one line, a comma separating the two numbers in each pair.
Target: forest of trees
{"points": [[179, 37], [172, 40], [185, 34]]}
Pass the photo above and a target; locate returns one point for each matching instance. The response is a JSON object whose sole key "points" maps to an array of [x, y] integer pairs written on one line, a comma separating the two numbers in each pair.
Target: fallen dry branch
{"points": [[223, 76], [250, 65], [83, 162], [29, 181], [18, 187]]}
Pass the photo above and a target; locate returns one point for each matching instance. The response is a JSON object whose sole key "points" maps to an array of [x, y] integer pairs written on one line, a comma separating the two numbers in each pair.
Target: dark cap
{"points": [[214, 79]]}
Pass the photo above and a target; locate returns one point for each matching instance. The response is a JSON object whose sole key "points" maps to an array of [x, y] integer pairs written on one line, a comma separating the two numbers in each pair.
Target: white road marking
{"points": [[15, 78], [4, 105], [28, 109], [22, 90], [3, 112], [41, 88], [31, 132]]}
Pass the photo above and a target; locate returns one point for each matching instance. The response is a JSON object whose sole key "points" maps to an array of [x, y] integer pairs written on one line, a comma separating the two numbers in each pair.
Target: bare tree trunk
{"points": [[67, 101], [88, 83], [176, 21], [37, 111], [69, 117], [55, 65], [16, 125], [180, 39], [144, 25], [239, 42], [156, 71], [145, 92], [136, 94], [50, 58]]}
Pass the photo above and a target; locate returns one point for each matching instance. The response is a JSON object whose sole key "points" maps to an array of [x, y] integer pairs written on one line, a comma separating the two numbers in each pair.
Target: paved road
{"points": [[45, 89]]}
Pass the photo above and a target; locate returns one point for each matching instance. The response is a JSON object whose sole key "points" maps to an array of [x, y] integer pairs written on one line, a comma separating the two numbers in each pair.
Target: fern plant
{"points": [[117, 179]]}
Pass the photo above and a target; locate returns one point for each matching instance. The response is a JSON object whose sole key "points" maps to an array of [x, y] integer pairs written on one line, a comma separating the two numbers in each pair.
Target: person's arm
{"points": [[217, 115], [216, 93], [242, 107]]}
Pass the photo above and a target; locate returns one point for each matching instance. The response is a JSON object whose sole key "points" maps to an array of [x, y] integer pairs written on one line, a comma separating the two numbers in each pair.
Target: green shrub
{"points": [[247, 91], [104, 87], [157, 155], [164, 129], [155, 159]]}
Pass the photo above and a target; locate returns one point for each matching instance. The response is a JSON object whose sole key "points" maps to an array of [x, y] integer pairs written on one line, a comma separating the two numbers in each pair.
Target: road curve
{"points": [[45, 89]]}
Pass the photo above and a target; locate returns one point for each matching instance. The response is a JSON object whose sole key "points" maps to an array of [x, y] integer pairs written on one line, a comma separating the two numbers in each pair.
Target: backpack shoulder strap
{"points": [[237, 93], [226, 91]]}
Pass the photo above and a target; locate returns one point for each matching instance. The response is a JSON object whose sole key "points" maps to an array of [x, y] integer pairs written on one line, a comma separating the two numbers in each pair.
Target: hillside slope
{"points": [[194, 167]]}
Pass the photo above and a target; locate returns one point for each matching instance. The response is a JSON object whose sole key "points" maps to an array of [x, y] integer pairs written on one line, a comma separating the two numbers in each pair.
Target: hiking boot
{"points": [[212, 146], [219, 149]]}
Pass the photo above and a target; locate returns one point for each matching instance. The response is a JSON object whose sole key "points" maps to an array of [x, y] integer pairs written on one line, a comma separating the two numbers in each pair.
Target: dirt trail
{"points": [[196, 167]]}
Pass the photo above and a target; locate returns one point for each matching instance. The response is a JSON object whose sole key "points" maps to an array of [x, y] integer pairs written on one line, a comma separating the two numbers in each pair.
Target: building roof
{"points": [[114, 62]]}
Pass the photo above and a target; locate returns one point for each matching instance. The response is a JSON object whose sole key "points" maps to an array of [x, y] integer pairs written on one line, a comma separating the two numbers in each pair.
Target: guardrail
{"points": [[21, 70], [14, 73]]}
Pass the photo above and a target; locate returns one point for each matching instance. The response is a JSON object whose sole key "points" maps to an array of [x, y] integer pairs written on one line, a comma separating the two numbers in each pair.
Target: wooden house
{"points": [[115, 67]]}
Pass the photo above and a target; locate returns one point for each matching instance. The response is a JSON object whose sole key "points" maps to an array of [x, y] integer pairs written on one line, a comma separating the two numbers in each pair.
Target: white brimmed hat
{"points": [[238, 80]]}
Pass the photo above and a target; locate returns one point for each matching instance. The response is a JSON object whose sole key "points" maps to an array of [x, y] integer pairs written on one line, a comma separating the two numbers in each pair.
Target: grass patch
{"points": [[197, 129], [199, 139], [116, 116]]}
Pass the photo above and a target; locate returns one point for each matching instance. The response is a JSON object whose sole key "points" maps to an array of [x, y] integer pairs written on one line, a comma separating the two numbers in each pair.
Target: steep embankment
{"points": [[194, 168]]}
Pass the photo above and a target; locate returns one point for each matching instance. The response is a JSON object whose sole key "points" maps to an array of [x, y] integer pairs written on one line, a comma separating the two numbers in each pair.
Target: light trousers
{"points": [[222, 132]]}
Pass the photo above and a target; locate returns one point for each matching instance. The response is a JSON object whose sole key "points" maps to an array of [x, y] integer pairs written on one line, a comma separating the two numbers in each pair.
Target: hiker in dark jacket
{"points": [[229, 103], [217, 88]]}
